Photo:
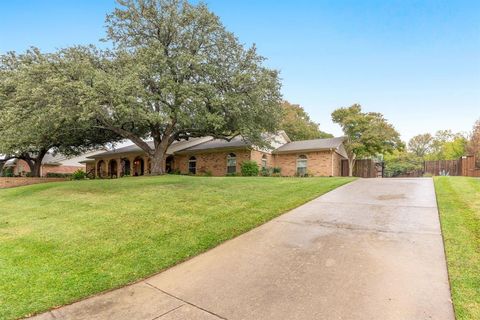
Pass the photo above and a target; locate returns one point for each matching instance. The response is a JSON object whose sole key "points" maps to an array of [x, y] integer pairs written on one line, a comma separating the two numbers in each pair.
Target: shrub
{"points": [[232, 174], [8, 172], [79, 175], [266, 172], [207, 173], [58, 175], [249, 168], [277, 170]]}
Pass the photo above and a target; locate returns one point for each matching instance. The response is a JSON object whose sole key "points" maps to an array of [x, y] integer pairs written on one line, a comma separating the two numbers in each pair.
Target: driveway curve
{"points": [[371, 249]]}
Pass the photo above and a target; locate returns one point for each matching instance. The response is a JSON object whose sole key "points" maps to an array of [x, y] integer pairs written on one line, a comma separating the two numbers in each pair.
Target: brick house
{"points": [[206, 155], [51, 163]]}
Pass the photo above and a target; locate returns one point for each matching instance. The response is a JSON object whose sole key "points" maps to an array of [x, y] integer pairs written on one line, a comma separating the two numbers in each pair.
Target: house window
{"points": [[231, 163], [302, 165], [264, 162], [192, 165]]}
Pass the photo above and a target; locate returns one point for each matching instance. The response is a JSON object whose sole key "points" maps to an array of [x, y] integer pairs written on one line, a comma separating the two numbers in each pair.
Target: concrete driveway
{"points": [[368, 250]]}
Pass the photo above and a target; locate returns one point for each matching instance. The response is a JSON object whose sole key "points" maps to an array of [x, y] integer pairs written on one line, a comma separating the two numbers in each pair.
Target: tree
{"points": [[176, 73], [366, 134], [447, 145], [473, 146], [401, 163], [420, 144], [298, 125], [40, 109]]}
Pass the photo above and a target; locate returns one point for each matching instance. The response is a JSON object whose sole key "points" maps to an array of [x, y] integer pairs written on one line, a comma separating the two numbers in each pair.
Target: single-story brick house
{"points": [[206, 155], [51, 163]]}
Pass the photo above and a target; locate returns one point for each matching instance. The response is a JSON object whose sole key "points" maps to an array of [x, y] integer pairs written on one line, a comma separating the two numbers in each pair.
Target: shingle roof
{"points": [[133, 148], [49, 158], [235, 143], [311, 145]]}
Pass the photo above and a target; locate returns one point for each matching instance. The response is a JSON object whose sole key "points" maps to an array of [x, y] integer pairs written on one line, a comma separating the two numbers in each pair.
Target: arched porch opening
{"points": [[138, 166], [125, 167], [112, 169], [169, 164], [101, 169]]}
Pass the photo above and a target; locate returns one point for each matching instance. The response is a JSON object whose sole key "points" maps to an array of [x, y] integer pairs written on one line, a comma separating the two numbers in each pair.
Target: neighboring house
{"points": [[51, 163], [318, 157]]}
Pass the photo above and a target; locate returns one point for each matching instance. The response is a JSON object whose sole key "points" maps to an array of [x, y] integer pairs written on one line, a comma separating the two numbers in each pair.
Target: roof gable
{"points": [[311, 145]]}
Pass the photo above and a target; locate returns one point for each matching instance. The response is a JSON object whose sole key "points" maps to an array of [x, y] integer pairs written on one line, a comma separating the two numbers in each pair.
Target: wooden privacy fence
{"points": [[364, 168], [439, 167], [468, 166]]}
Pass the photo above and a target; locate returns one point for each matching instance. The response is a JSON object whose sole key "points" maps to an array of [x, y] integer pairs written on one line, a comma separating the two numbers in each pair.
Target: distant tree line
{"points": [[444, 145]]}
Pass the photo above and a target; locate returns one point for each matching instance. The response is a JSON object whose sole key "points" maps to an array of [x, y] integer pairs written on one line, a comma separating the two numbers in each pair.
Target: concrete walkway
{"points": [[368, 250]]}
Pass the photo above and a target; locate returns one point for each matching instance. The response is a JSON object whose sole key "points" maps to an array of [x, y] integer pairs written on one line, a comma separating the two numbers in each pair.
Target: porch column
{"points": [[132, 165], [146, 167], [119, 167]]}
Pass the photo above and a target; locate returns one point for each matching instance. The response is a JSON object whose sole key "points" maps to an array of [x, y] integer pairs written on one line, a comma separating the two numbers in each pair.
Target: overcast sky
{"points": [[417, 62]]}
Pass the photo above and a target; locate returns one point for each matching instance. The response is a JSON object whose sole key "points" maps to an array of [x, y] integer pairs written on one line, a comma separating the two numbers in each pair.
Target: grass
{"points": [[459, 203], [60, 242]]}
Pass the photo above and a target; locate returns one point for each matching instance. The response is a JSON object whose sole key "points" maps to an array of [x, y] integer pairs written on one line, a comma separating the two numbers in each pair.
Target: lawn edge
{"points": [[444, 249], [354, 179]]}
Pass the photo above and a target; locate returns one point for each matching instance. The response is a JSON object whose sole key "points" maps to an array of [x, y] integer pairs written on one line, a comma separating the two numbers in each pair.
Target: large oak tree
{"points": [[41, 109], [177, 73]]}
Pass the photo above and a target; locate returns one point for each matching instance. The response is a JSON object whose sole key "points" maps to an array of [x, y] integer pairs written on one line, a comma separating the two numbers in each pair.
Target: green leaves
{"points": [[41, 106], [298, 125], [367, 134]]}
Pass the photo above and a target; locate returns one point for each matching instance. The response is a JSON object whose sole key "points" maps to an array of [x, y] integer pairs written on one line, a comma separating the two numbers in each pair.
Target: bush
{"points": [[266, 172], [58, 175], [207, 173], [277, 170], [232, 174], [8, 172], [79, 175], [249, 168]]}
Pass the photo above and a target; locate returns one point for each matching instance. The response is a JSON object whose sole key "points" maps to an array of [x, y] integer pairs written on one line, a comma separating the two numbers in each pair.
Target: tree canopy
{"points": [[177, 73], [420, 144], [367, 134], [473, 146], [41, 109], [447, 145], [297, 123]]}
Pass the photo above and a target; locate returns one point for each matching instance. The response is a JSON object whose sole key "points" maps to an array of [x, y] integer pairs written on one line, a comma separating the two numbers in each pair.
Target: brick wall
{"points": [[337, 164], [22, 168], [60, 169], [318, 163], [258, 155], [24, 181], [215, 162]]}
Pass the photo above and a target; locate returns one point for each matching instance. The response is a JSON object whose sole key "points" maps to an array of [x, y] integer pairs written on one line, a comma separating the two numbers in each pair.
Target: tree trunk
{"points": [[2, 164], [158, 159], [35, 164], [351, 165]]}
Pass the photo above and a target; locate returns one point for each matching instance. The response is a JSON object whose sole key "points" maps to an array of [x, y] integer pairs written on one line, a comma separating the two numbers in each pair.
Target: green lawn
{"points": [[459, 203], [60, 242]]}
